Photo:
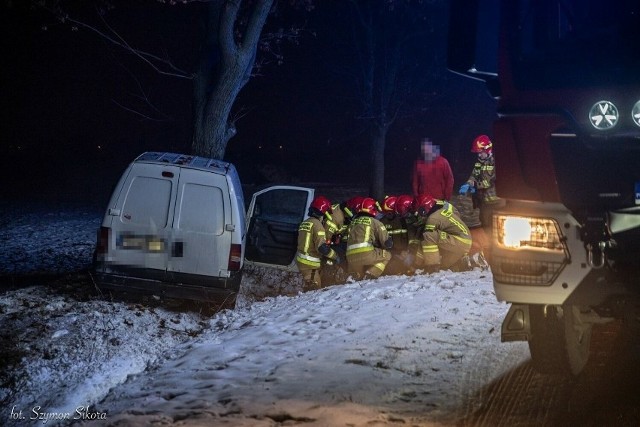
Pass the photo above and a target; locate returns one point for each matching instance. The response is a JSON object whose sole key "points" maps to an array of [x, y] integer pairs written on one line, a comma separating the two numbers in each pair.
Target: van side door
{"points": [[200, 244], [140, 217], [273, 219]]}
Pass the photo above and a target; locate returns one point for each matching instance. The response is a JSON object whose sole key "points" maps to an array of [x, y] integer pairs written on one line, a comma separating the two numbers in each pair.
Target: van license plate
{"points": [[141, 243]]}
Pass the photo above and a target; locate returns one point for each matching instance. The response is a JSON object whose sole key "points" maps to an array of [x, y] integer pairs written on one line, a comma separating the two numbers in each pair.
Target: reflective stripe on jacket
{"points": [[365, 233], [440, 225]]}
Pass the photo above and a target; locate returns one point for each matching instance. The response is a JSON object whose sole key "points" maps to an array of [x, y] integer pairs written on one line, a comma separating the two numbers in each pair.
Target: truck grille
{"points": [[522, 272]]}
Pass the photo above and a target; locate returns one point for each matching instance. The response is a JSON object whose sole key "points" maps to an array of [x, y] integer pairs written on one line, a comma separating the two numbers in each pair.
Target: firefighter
{"points": [[397, 228], [405, 209], [368, 243], [336, 222], [445, 237], [482, 181], [313, 245], [481, 184], [394, 223], [349, 209]]}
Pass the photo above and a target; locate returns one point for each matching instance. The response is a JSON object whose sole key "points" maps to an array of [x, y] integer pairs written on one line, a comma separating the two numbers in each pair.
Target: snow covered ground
{"points": [[394, 351]]}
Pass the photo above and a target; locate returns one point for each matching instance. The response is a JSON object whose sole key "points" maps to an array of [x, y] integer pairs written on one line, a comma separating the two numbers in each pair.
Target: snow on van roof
{"points": [[183, 160]]}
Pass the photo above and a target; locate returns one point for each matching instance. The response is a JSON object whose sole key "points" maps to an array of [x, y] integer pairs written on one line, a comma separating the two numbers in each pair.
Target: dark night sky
{"points": [[65, 137]]}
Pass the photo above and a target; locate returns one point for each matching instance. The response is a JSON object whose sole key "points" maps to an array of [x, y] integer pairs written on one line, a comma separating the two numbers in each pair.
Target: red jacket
{"points": [[434, 178]]}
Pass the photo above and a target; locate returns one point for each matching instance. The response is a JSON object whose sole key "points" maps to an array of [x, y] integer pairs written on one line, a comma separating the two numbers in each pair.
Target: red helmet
{"points": [[480, 144], [404, 205], [353, 205], [369, 207], [389, 204], [322, 204], [424, 204]]}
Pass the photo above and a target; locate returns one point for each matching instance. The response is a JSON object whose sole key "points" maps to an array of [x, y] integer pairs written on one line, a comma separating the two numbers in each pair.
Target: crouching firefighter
{"points": [[445, 237], [368, 243], [313, 244]]}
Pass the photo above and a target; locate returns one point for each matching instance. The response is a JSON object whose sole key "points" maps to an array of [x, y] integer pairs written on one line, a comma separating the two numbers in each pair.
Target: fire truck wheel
{"points": [[559, 342], [577, 337]]}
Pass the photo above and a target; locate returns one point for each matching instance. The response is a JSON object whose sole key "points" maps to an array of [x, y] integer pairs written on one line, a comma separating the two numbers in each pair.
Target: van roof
{"points": [[187, 160]]}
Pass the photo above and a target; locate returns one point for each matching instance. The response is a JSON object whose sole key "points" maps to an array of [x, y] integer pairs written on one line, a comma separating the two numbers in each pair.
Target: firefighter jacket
{"points": [[367, 245], [434, 178], [483, 177], [446, 238], [311, 237], [366, 233]]}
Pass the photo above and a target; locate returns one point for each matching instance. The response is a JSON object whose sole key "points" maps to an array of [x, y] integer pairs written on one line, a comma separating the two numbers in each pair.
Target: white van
{"points": [[176, 226]]}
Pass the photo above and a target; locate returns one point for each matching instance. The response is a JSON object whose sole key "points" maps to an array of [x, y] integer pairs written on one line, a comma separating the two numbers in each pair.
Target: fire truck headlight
{"points": [[518, 232]]}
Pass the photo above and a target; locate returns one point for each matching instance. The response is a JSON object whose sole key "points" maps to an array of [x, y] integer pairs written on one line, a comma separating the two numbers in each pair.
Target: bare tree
{"points": [[395, 63]]}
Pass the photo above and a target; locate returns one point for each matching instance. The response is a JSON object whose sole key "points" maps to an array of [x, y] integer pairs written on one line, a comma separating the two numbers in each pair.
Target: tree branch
{"points": [[119, 41]]}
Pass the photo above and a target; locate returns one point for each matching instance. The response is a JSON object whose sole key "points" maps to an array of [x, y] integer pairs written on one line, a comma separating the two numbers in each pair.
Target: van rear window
{"points": [[147, 202]]}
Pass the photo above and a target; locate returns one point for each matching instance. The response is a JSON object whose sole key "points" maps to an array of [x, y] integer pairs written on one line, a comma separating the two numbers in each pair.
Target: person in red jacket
{"points": [[432, 173]]}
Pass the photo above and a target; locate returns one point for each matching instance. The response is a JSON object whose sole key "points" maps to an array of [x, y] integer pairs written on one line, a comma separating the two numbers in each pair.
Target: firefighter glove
{"points": [[388, 244], [324, 249], [466, 188]]}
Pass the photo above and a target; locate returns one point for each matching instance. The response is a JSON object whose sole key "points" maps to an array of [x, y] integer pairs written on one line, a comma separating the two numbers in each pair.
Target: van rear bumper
{"points": [[209, 289]]}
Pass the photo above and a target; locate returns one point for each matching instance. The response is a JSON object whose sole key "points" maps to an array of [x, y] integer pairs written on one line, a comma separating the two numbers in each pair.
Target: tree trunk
{"points": [[226, 63], [213, 128]]}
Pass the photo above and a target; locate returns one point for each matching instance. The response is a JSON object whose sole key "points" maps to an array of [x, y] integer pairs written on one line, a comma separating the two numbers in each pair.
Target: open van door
{"points": [[272, 227]]}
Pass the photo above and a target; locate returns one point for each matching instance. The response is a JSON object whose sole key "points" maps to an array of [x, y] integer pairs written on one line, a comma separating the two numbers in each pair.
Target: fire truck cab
{"points": [[566, 246]]}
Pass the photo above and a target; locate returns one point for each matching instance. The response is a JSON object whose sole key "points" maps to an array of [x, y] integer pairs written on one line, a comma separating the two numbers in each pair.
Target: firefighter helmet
{"points": [[389, 204], [368, 207], [321, 204], [480, 144], [352, 206], [424, 204], [404, 205]]}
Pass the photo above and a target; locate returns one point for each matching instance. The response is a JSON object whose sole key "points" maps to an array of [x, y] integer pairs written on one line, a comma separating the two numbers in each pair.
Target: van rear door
{"points": [[140, 218], [274, 216], [200, 242]]}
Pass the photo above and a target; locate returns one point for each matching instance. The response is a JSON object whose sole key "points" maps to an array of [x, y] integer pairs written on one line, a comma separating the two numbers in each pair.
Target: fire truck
{"points": [[565, 75]]}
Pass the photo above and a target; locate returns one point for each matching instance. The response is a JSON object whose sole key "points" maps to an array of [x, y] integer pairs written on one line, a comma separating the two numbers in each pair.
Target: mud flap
{"points": [[517, 324]]}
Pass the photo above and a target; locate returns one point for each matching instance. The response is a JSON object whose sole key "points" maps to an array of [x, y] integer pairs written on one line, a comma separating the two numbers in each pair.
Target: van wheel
{"points": [[560, 341]]}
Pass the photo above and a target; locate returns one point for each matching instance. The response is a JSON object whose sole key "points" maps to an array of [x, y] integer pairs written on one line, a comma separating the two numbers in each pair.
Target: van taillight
{"points": [[102, 245], [235, 258]]}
